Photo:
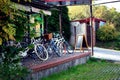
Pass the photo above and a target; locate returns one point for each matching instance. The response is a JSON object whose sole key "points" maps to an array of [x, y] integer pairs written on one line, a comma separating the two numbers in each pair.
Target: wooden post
{"points": [[75, 35], [45, 23], [91, 26], [60, 21]]}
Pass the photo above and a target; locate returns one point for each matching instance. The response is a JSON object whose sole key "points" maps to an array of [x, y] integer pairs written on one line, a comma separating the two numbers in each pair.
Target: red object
{"points": [[61, 0], [88, 20], [48, 36]]}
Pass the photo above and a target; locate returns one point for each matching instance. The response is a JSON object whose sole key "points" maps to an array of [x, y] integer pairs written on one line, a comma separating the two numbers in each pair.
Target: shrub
{"points": [[117, 44], [10, 66], [107, 33]]}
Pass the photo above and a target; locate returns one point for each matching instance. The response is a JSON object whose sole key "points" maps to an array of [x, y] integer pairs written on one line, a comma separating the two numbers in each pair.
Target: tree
{"points": [[114, 18], [78, 12], [100, 12], [110, 15]]}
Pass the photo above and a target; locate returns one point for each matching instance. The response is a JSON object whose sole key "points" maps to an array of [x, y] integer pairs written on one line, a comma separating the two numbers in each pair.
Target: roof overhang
{"points": [[68, 2], [33, 6], [31, 9]]}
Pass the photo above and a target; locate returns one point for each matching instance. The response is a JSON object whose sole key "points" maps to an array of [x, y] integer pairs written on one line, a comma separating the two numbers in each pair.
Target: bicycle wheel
{"points": [[62, 49], [50, 51], [22, 47], [41, 52], [69, 48], [59, 49]]}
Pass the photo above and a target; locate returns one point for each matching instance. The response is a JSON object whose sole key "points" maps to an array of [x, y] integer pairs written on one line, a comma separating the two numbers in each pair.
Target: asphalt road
{"points": [[107, 54]]}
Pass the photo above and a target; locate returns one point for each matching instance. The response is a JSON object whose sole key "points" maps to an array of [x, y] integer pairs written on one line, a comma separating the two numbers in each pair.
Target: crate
{"points": [[48, 36]]}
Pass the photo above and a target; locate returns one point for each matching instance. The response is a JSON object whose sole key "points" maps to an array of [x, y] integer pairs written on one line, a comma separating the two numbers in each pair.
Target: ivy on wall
{"points": [[53, 22]]}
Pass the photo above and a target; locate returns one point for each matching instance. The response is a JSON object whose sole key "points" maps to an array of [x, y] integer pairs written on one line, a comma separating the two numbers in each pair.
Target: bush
{"points": [[107, 33], [10, 66], [117, 44]]}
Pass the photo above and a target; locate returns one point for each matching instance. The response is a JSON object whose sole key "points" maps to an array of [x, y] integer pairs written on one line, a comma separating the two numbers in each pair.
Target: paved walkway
{"points": [[107, 54]]}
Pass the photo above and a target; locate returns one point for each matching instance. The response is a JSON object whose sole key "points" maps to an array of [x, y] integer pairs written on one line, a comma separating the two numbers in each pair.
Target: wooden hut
{"points": [[82, 27]]}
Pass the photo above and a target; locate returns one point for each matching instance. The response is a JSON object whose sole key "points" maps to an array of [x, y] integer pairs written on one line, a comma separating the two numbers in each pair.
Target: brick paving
{"points": [[31, 61]]}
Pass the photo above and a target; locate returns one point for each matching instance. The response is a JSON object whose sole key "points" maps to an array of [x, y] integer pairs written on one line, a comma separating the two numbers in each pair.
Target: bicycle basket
{"points": [[48, 36]]}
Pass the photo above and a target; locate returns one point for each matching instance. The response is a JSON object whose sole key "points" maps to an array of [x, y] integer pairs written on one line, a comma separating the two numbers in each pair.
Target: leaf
{"points": [[0, 41], [11, 37]]}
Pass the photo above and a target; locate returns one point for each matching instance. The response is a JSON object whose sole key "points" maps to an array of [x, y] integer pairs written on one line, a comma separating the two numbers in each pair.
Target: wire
{"points": [[106, 2]]}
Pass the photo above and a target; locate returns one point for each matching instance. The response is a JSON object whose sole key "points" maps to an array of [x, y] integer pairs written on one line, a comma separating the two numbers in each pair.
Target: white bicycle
{"points": [[38, 49]]}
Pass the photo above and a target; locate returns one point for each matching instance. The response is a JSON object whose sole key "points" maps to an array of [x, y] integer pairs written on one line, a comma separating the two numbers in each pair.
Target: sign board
{"points": [[84, 44], [68, 2], [81, 42]]}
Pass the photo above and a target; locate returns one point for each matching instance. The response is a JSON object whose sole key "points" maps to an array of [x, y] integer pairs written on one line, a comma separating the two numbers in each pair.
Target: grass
{"points": [[92, 70]]}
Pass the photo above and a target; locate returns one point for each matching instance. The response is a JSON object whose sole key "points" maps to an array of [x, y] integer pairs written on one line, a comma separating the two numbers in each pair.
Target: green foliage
{"points": [[35, 20], [53, 22], [107, 33], [78, 12], [110, 15], [117, 44], [13, 25], [20, 21], [10, 66], [16, 25], [100, 12], [65, 23], [5, 6], [116, 20], [6, 28]]}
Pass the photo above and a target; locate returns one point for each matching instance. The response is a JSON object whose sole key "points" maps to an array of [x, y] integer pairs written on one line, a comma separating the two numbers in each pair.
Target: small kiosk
{"points": [[82, 27]]}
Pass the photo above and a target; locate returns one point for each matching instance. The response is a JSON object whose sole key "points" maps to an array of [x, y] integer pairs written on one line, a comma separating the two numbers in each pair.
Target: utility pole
{"points": [[91, 27]]}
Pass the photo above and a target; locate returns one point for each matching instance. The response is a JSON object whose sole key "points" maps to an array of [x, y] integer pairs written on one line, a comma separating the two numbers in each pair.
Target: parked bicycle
{"points": [[65, 47], [34, 48], [51, 45]]}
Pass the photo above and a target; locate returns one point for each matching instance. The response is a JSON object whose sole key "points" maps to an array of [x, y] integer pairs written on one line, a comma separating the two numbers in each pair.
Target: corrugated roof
{"points": [[86, 20]]}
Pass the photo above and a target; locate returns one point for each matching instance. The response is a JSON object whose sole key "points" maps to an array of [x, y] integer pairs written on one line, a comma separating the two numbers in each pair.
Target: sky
{"points": [[110, 5]]}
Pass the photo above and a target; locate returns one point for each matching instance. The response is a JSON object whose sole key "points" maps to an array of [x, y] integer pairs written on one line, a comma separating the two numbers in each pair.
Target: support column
{"points": [[28, 33], [75, 36], [60, 21], [45, 24], [91, 27]]}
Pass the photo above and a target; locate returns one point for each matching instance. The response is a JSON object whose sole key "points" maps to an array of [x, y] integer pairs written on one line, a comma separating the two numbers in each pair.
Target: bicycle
{"points": [[42, 40], [65, 46], [50, 44], [34, 48]]}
